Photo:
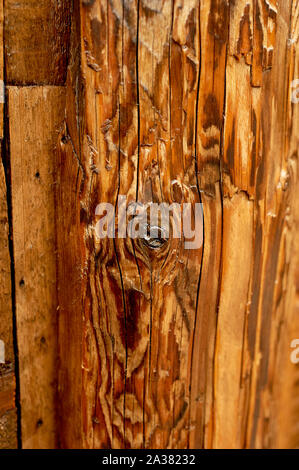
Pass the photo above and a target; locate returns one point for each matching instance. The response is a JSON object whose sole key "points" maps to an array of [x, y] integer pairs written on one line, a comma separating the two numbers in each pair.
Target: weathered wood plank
{"points": [[35, 118], [8, 414], [177, 102], [285, 409], [2, 87], [168, 72], [36, 41], [8, 419], [138, 319], [214, 28], [165, 102], [257, 165], [70, 225]]}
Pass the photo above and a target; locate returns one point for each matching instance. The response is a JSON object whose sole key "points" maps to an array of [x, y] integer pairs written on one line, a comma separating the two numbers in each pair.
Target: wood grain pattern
{"points": [[2, 87], [36, 41], [214, 26], [36, 114], [259, 167], [8, 422], [146, 344], [8, 413], [137, 343], [191, 93], [284, 372]]}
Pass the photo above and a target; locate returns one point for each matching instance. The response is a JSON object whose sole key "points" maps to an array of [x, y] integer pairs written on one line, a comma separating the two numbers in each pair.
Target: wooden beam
{"points": [[8, 414], [36, 41], [35, 117], [8, 417], [144, 343], [171, 99]]}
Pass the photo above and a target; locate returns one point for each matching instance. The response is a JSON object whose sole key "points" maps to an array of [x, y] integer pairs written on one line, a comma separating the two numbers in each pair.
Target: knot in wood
{"points": [[155, 242]]}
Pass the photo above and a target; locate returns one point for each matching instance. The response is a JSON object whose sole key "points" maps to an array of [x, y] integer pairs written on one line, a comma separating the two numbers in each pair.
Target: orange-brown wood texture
{"points": [[8, 412], [8, 417], [35, 53], [144, 343], [36, 115], [36, 41]]}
